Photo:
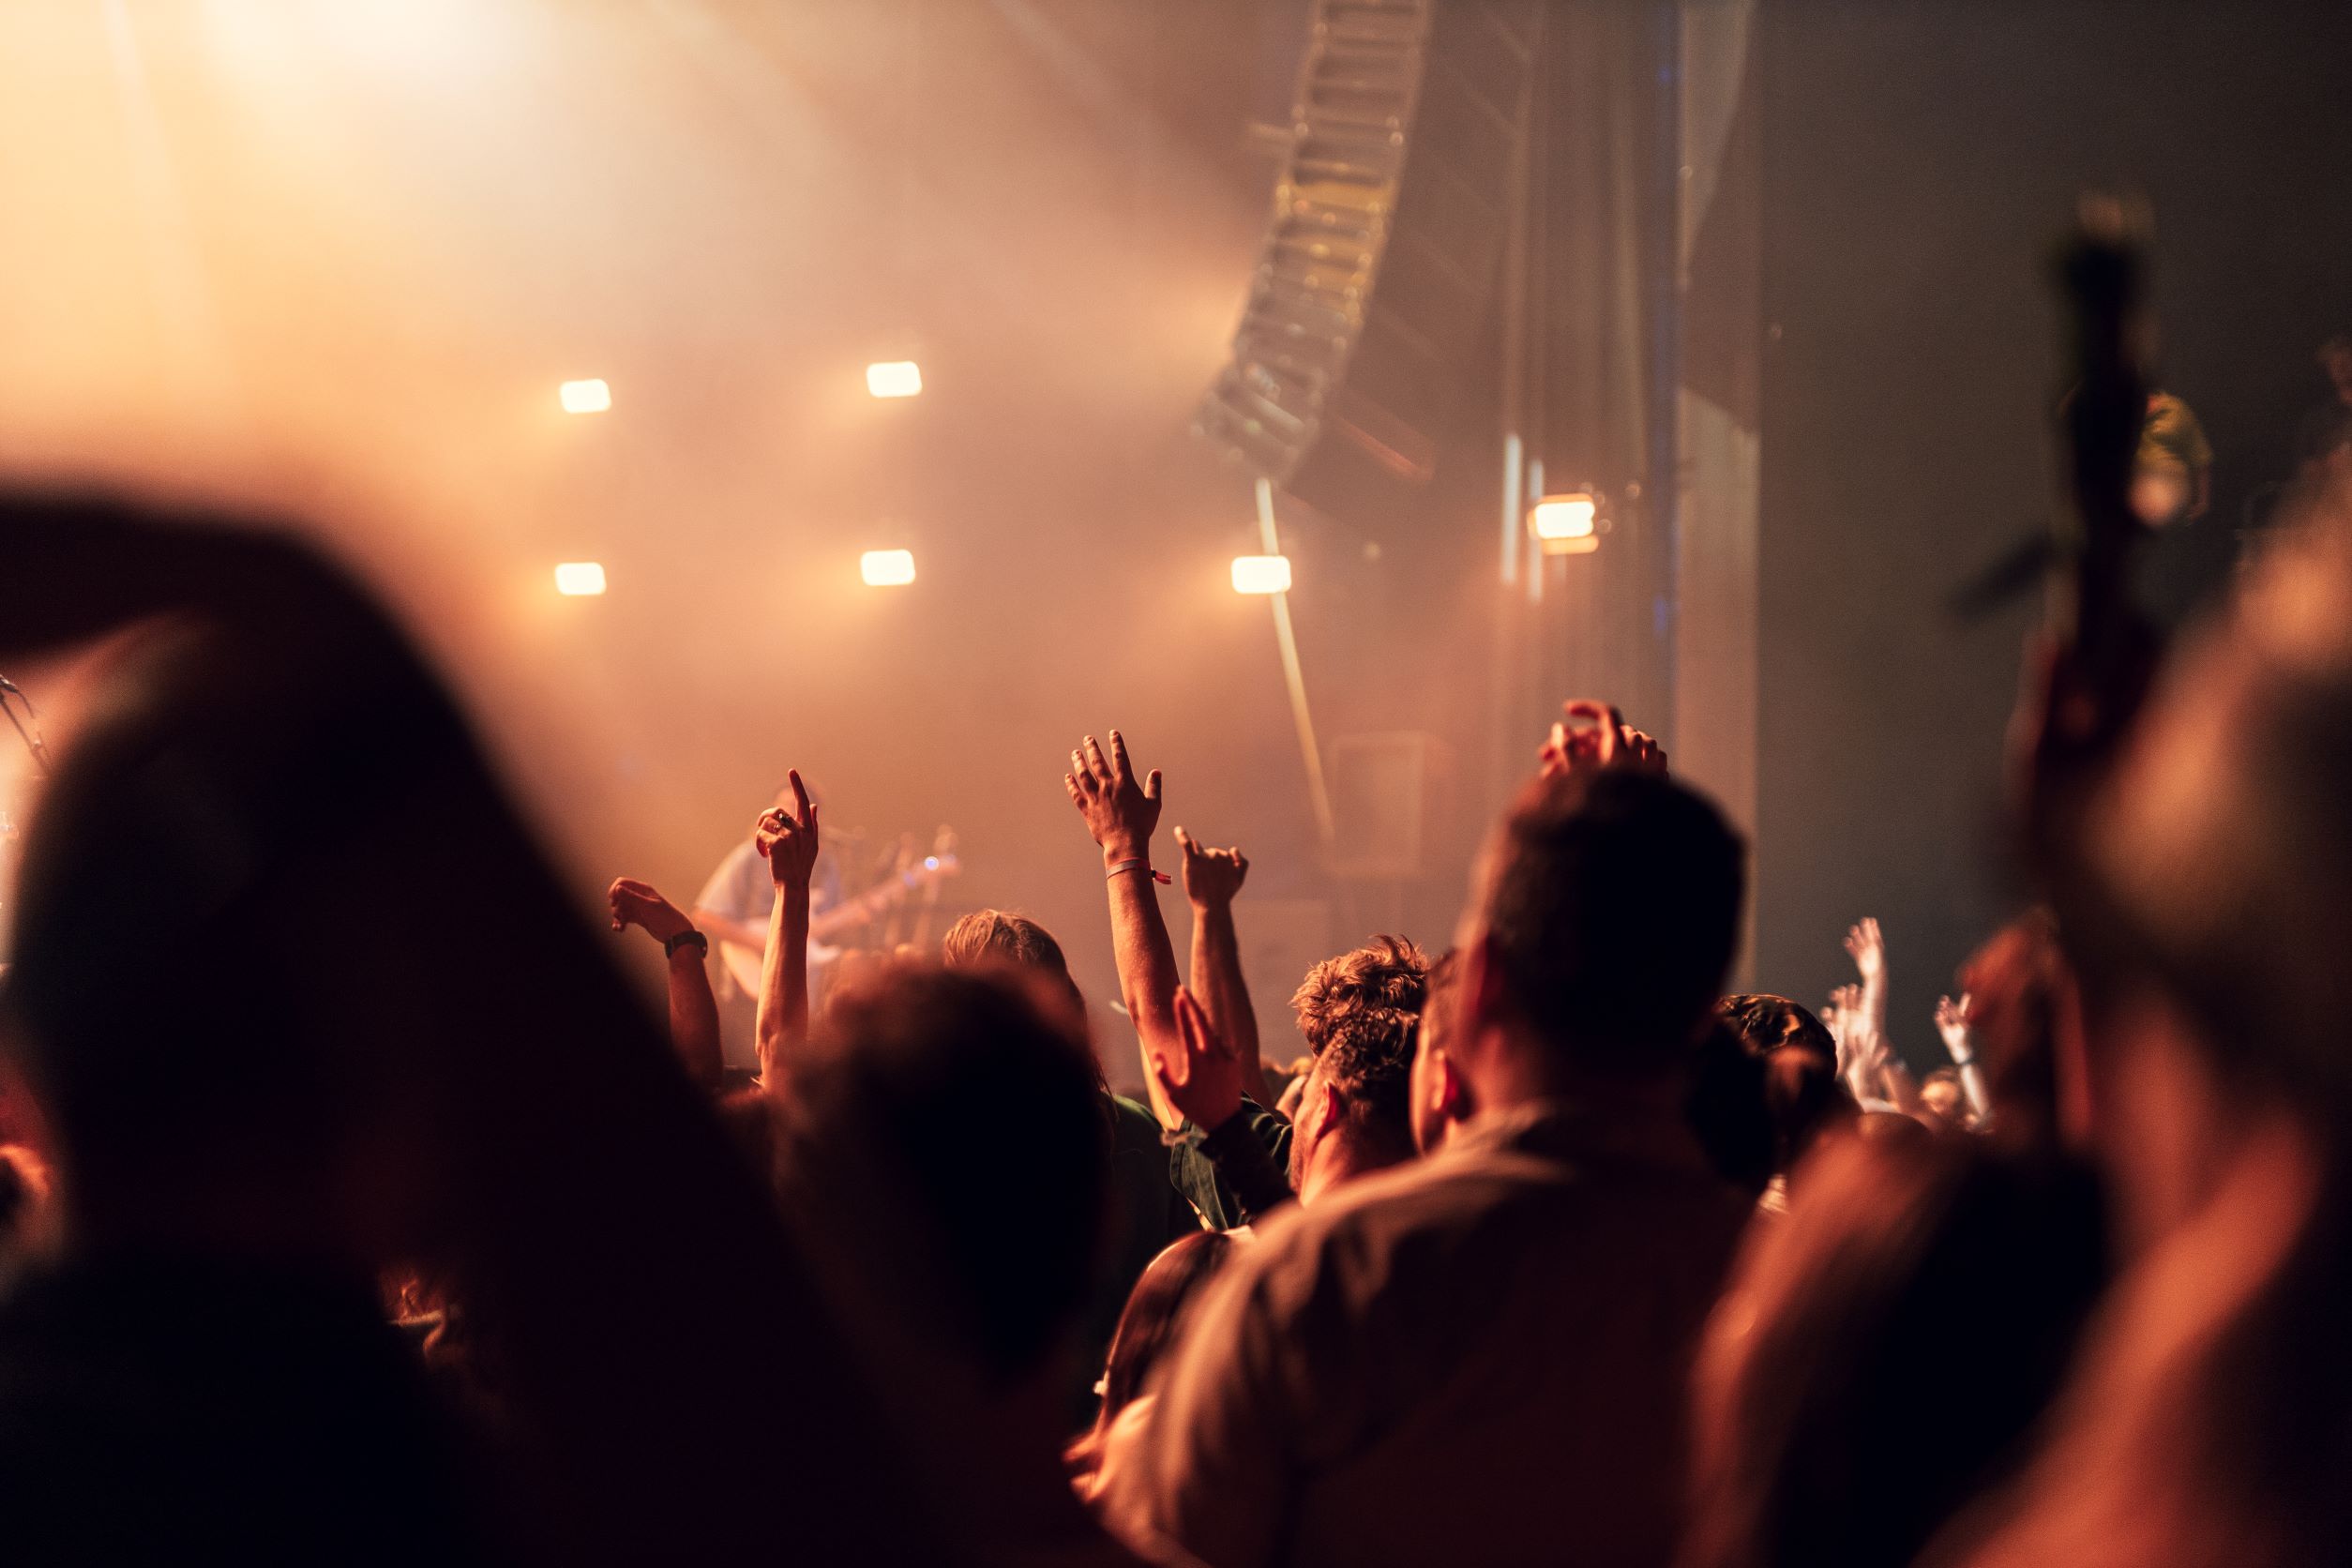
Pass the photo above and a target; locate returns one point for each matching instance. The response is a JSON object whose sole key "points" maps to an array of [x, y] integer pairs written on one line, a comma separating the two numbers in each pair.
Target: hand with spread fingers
{"points": [[1867, 946], [1121, 810], [1204, 1080], [789, 840], [1591, 735]]}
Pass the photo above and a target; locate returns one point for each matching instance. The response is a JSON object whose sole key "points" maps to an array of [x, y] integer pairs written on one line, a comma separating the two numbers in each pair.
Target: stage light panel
{"points": [[1564, 517], [894, 378], [887, 568], [1261, 574]]}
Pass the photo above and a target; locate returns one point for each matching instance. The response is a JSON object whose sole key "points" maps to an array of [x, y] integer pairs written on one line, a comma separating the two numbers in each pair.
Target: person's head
{"points": [[919, 1078], [1941, 1098], [1358, 1013], [1155, 1314], [1803, 1091], [1730, 1109], [1605, 915], [1438, 1103], [998, 937], [227, 1087]]}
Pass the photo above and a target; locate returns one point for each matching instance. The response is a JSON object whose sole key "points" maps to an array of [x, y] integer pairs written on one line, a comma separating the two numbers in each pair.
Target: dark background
{"points": [[1919, 162]]}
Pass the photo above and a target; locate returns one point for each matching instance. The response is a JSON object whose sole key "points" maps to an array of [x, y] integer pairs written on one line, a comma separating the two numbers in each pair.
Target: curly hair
{"points": [[1358, 1013]]}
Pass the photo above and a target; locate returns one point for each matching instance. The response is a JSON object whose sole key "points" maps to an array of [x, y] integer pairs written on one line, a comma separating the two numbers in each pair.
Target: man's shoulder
{"points": [[1487, 1202]]}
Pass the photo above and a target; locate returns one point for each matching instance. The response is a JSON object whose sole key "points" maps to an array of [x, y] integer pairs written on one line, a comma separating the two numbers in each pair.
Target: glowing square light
{"points": [[894, 378], [580, 578], [887, 568], [1261, 574], [584, 396], [1564, 517]]}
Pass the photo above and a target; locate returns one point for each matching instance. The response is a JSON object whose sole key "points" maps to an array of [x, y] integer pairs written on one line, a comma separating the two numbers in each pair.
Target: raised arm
{"points": [[693, 1010], [1211, 878], [789, 842], [1121, 813], [1952, 1022], [1867, 946]]}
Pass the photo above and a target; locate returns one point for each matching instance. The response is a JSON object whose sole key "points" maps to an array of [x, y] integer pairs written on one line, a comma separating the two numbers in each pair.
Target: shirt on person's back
{"points": [[1147, 1214], [1480, 1357]]}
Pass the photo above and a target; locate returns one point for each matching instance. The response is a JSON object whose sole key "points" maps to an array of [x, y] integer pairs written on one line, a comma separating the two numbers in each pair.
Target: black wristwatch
{"points": [[669, 945]]}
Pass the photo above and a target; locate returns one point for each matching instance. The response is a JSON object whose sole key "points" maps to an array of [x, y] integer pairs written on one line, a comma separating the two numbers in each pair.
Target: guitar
{"points": [[744, 963]]}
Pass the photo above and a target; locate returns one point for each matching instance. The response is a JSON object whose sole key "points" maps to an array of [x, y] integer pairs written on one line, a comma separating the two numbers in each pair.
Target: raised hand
{"points": [[788, 840], [637, 903], [1952, 1022], [1592, 735], [1212, 877], [1867, 946], [1850, 1028], [1204, 1083], [1120, 811]]}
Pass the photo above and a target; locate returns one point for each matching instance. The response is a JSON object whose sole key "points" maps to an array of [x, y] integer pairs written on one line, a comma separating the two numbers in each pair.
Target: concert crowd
{"points": [[353, 1210]]}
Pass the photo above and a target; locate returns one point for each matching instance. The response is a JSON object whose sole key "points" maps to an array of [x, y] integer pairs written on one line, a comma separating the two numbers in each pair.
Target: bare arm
{"points": [[1121, 812], [1211, 878], [1952, 1022], [693, 1010], [1867, 946], [789, 845]]}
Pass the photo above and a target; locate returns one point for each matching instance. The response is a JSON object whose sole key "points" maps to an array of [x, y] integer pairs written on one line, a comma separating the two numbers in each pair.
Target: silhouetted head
{"points": [[1606, 913], [931, 1097], [1798, 1064]]}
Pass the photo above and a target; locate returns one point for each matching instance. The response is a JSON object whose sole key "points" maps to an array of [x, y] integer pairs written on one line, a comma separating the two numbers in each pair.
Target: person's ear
{"points": [[1326, 1102], [1452, 1094], [1478, 1001]]}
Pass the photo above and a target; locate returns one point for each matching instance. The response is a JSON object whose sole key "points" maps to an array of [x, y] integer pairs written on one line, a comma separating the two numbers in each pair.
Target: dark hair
{"points": [[1728, 1108], [1358, 1013], [1612, 907], [1764, 1023], [1155, 1310], [920, 1077], [1797, 1061]]}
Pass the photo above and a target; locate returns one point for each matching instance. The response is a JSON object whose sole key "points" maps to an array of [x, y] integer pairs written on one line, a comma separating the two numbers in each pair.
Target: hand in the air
{"points": [[1205, 1087], [1212, 877], [789, 840], [1867, 947], [1952, 1022], [637, 903], [1120, 811], [1591, 735]]}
